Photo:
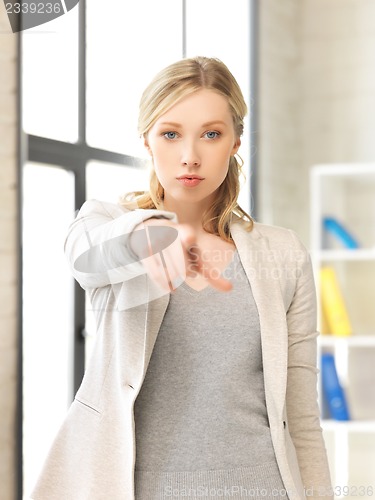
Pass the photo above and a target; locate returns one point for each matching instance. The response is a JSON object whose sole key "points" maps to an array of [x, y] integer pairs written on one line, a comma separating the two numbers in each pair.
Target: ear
{"points": [[146, 145], [236, 146]]}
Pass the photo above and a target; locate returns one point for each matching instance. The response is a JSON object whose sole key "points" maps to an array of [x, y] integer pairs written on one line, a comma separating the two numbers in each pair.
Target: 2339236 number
{"points": [[33, 8], [354, 491]]}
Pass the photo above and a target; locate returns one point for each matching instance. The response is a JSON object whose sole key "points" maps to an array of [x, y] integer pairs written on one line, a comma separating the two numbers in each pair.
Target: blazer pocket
{"points": [[87, 407]]}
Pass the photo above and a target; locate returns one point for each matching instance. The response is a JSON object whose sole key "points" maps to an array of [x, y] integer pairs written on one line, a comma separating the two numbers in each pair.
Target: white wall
{"points": [[8, 275]]}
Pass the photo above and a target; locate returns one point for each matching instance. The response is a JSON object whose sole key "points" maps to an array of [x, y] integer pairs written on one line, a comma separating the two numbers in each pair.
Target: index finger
{"points": [[211, 273]]}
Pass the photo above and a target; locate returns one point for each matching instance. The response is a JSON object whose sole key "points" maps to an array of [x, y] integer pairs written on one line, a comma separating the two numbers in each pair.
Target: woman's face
{"points": [[196, 137]]}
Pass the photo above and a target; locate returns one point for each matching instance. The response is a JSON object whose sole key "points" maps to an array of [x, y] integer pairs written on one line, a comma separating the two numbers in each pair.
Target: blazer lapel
{"points": [[154, 316], [261, 269]]}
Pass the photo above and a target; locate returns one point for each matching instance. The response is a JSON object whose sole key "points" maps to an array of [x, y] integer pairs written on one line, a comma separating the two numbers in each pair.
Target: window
{"points": [[50, 98], [140, 38], [48, 206]]}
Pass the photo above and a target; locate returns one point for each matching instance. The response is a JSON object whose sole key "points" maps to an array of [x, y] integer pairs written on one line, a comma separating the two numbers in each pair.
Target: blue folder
{"points": [[334, 227], [332, 389]]}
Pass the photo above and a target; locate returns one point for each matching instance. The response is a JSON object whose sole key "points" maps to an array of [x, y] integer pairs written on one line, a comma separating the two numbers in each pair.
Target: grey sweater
{"points": [[201, 420]]}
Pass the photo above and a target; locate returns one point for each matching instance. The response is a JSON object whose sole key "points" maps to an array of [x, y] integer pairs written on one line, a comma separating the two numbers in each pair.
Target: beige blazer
{"points": [[93, 455]]}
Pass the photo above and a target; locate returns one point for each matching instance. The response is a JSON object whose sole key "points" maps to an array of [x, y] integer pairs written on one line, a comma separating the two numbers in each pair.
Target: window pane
{"points": [[48, 208], [226, 37], [127, 43], [50, 78], [108, 182]]}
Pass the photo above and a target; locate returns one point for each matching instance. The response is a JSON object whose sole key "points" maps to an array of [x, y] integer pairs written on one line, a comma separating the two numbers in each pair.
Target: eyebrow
{"points": [[207, 124]]}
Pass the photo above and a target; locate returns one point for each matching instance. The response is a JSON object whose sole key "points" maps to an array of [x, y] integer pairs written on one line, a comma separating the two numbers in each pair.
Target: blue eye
{"points": [[170, 135], [211, 134]]}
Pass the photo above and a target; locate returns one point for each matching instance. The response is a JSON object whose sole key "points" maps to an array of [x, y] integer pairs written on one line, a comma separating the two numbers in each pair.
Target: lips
{"points": [[190, 177], [190, 181]]}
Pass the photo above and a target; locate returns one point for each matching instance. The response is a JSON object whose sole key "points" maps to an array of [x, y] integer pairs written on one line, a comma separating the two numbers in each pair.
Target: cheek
{"points": [[222, 158], [225, 151], [162, 154], [162, 165]]}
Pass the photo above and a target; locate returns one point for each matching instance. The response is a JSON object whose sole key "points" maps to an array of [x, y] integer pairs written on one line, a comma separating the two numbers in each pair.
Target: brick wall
{"points": [[279, 149], [317, 98], [338, 81], [8, 256]]}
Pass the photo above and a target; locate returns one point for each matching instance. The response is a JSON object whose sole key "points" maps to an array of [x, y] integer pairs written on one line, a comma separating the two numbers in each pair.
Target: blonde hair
{"points": [[167, 88]]}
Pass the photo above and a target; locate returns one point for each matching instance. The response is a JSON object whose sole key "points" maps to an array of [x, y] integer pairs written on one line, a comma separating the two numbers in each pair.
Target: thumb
{"points": [[187, 235]]}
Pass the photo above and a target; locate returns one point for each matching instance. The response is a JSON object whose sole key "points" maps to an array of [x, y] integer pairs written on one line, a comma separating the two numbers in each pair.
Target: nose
{"points": [[190, 156], [188, 163]]}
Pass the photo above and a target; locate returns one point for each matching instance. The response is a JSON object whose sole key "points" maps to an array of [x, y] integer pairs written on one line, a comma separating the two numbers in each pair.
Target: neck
{"points": [[187, 213]]}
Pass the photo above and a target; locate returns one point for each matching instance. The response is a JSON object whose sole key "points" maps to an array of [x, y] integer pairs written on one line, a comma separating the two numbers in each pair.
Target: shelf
{"points": [[325, 340], [348, 425], [343, 169], [346, 192], [363, 254]]}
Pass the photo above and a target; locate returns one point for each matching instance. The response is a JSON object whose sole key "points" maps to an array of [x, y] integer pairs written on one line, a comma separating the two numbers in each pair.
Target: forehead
{"points": [[201, 106]]}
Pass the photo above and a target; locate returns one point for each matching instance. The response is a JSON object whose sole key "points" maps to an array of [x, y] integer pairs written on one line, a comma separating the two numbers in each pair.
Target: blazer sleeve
{"points": [[302, 397], [97, 245]]}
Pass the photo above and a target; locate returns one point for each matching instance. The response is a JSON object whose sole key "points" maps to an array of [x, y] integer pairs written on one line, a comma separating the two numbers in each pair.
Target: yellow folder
{"points": [[333, 304]]}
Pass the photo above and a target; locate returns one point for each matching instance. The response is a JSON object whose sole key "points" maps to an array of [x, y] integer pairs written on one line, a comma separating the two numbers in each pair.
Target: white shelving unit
{"points": [[347, 192]]}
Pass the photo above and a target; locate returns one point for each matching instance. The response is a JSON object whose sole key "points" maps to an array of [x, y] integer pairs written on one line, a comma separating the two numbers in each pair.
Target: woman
{"points": [[202, 382]]}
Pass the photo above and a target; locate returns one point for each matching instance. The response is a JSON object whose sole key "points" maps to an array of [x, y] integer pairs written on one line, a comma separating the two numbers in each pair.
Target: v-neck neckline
{"points": [[208, 288]]}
